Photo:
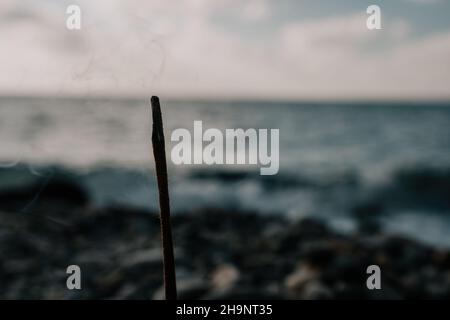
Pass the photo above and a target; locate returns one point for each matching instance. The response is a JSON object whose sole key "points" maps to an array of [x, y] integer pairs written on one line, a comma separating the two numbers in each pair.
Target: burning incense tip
{"points": [[158, 133]]}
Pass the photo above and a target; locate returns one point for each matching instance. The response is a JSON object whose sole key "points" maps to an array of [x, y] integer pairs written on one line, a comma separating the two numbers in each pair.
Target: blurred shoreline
{"points": [[220, 254], [413, 202]]}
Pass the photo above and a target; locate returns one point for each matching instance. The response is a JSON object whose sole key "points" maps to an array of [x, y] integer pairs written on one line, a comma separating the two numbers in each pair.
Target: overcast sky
{"points": [[284, 49]]}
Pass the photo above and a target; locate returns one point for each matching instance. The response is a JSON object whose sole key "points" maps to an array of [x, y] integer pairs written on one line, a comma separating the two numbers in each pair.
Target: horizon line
{"points": [[222, 99]]}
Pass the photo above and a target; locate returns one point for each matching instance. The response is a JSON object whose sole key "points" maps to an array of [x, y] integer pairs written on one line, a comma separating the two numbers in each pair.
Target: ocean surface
{"points": [[338, 161]]}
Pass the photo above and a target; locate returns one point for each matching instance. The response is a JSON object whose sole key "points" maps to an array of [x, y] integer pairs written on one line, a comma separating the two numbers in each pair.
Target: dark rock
{"points": [[244, 293], [49, 191], [143, 258], [315, 290], [367, 209], [192, 288], [318, 253]]}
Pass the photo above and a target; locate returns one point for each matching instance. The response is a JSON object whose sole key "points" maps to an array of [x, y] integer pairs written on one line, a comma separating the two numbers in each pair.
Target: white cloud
{"points": [[255, 10], [179, 49]]}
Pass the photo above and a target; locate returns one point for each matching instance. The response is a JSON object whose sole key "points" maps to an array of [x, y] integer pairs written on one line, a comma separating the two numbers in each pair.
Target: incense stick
{"points": [[159, 153]]}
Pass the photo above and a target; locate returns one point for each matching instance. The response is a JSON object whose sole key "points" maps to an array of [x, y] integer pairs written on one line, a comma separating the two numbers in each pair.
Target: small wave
{"points": [[420, 187], [335, 197]]}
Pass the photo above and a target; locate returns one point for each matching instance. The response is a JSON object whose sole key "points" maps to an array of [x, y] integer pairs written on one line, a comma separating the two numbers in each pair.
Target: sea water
{"points": [[334, 156]]}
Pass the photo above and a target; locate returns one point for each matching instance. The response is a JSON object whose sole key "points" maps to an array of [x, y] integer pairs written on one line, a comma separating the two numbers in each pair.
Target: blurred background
{"points": [[364, 124]]}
